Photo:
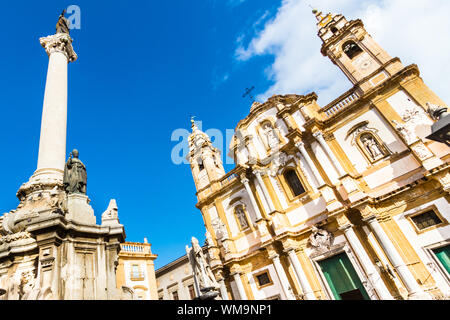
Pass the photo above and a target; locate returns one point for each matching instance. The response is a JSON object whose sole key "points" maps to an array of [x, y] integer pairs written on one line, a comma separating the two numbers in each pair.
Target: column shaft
{"points": [[394, 257], [252, 199], [283, 278], [265, 191], [240, 286], [372, 273], [330, 154], [223, 290], [304, 283], [311, 164]]}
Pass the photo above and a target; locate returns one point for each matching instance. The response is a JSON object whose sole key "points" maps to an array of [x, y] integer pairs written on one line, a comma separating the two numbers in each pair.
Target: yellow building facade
{"points": [[345, 201], [136, 270]]}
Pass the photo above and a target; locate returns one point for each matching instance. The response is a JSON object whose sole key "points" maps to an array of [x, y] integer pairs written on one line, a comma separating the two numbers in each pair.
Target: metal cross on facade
{"points": [[248, 93]]}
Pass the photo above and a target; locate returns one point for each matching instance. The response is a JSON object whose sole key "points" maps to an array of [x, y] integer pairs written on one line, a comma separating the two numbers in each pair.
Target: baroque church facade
{"points": [[345, 201]]}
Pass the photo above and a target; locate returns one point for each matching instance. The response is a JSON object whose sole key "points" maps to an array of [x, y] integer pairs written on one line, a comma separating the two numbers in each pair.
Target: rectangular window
{"points": [[263, 279], [426, 220], [191, 291], [136, 273], [175, 295]]}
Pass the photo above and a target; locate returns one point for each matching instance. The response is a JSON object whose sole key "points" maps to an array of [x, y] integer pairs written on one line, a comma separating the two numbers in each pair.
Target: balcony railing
{"points": [[228, 178], [130, 247], [340, 103]]}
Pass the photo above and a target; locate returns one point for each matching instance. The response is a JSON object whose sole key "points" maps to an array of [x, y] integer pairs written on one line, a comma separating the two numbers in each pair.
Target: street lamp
{"points": [[440, 130]]}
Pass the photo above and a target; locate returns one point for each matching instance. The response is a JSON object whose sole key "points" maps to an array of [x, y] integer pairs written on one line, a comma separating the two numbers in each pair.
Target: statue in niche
{"points": [[371, 146], [320, 239], [240, 215], [63, 25], [203, 274], [271, 138], [75, 177]]}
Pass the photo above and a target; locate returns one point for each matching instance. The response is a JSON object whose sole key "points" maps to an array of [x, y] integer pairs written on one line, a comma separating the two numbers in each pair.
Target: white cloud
{"points": [[415, 31]]}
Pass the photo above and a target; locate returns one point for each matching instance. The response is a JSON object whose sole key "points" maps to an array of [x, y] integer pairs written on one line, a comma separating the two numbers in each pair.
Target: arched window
{"points": [[294, 182], [351, 49], [200, 164], [241, 217], [334, 29]]}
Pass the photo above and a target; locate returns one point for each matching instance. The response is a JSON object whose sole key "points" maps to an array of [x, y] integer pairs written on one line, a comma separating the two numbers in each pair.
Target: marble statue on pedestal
{"points": [[204, 278]]}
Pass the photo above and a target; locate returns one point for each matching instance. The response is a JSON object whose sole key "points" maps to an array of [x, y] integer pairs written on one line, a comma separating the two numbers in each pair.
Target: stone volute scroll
{"points": [[75, 177], [204, 279]]}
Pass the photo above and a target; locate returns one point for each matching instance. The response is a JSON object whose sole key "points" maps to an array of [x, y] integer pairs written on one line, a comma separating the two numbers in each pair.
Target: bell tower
{"points": [[354, 51], [205, 159]]}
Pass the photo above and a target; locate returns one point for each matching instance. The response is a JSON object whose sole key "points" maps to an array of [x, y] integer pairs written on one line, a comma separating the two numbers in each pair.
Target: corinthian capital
{"points": [[60, 42]]}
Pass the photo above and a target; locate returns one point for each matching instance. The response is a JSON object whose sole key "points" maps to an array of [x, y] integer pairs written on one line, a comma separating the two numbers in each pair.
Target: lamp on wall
{"points": [[440, 130]]}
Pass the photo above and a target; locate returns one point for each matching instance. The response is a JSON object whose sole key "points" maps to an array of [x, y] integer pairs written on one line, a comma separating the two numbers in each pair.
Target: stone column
{"points": [[367, 264], [52, 144], [318, 177], [413, 288], [304, 283], [223, 290], [318, 135], [264, 190], [283, 278], [252, 198], [240, 286]]}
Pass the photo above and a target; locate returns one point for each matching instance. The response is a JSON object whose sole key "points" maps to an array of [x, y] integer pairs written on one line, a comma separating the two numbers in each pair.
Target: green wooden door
{"points": [[443, 255], [342, 278]]}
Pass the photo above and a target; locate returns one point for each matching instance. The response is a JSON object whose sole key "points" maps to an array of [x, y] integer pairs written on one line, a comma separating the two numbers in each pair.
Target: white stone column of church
{"points": [[318, 135], [52, 144], [240, 286], [264, 190], [252, 198], [283, 278], [223, 290], [413, 288], [304, 283], [318, 177], [367, 264]]}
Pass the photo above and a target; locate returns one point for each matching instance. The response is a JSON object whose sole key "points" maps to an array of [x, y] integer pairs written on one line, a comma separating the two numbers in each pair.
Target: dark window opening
{"points": [[351, 49], [334, 29], [294, 183], [426, 220], [200, 164], [263, 279], [191, 291]]}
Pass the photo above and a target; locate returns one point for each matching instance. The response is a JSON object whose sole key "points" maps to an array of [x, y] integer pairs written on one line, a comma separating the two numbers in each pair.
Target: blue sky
{"points": [[142, 71]]}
